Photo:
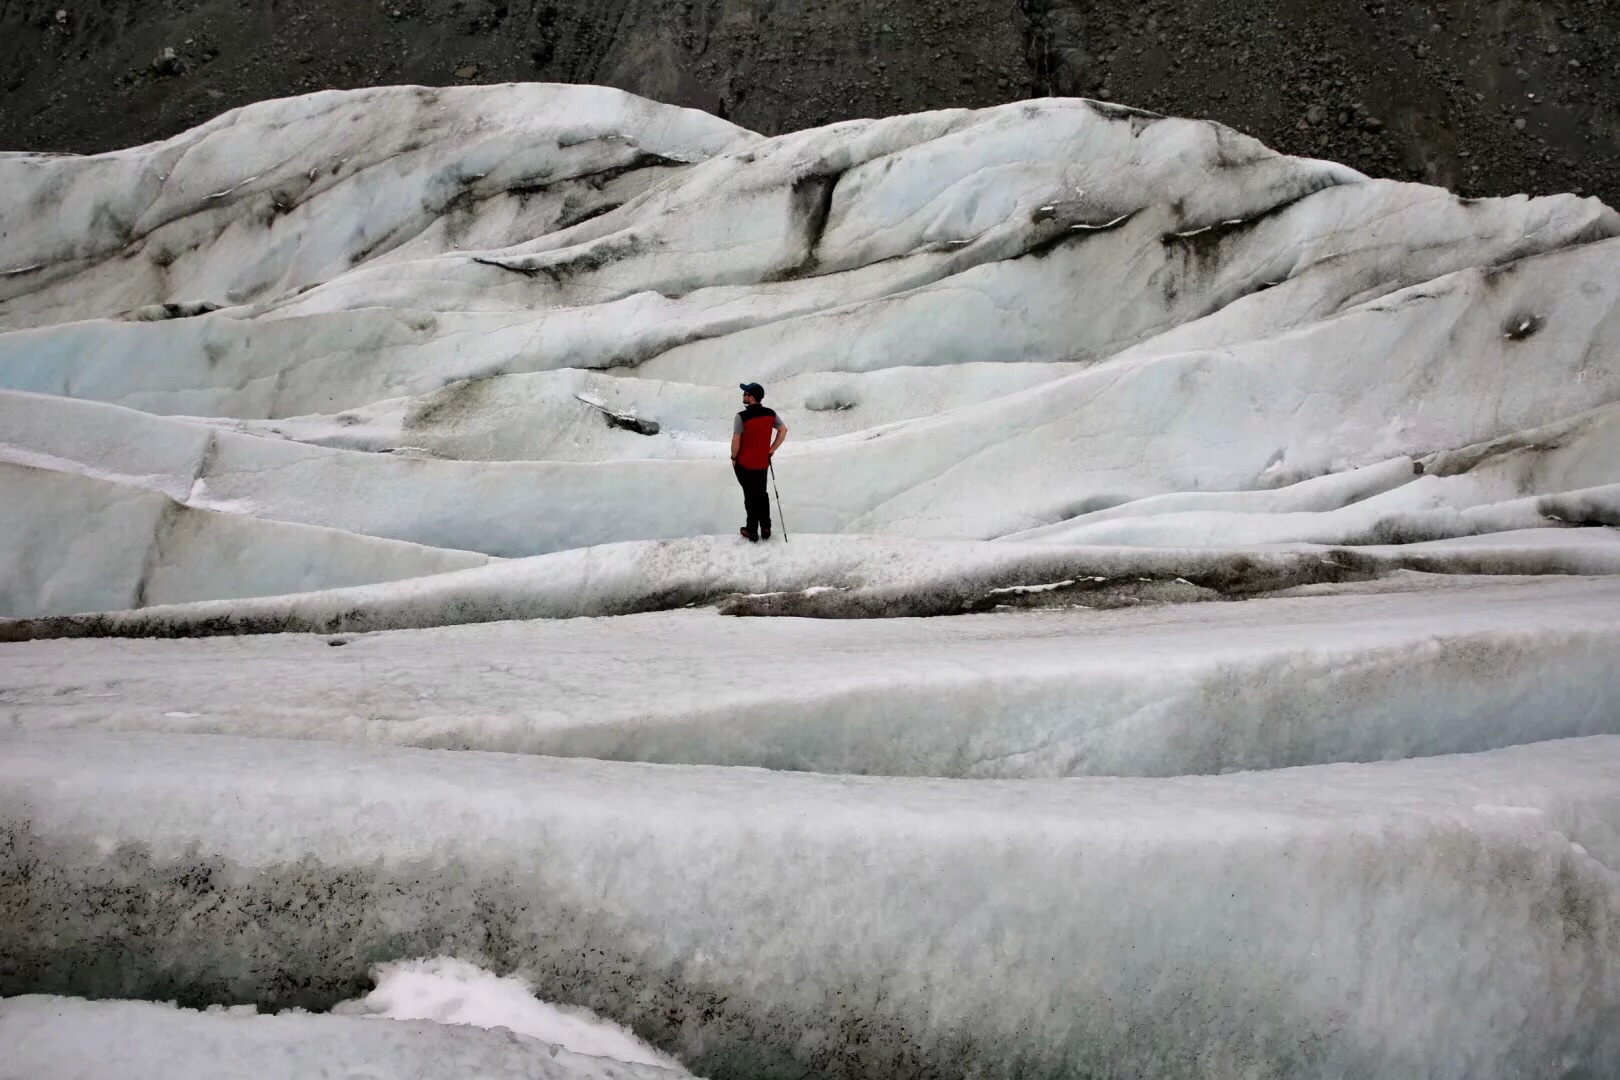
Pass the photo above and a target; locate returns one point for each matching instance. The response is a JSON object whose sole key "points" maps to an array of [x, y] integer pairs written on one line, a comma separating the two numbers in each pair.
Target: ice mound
{"points": [[412, 319]]}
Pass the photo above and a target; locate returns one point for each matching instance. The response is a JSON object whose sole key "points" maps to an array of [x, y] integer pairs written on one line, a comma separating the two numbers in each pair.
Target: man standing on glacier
{"points": [[755, 435]]}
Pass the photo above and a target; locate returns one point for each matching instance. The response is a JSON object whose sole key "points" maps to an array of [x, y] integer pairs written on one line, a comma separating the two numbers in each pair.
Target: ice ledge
{"points": [[1351, 920]]}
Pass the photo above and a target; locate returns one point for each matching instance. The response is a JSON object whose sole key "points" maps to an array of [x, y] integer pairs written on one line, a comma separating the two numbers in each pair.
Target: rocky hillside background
{"points": [[1489, 97]]}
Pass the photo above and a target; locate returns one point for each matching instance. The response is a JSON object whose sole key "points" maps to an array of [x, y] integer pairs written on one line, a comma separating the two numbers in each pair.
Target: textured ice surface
{"points": [[277, 196], [1153, 690], [384, 313], [1443, 917], [57, 1038]]}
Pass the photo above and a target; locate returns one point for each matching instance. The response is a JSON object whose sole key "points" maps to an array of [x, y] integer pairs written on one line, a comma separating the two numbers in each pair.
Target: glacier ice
{"points": [[1280, 736], [77, 543], [1445, 917], [281, 195], [832, 577], [1147, 691], [992, 322]]}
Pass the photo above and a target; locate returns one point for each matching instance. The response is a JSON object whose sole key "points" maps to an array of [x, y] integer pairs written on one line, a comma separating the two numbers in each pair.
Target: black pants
{"points": [[756, 498]]}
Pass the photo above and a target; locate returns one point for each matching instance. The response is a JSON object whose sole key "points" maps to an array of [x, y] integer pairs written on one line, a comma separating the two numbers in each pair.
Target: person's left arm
{"points": [[781, 435]]}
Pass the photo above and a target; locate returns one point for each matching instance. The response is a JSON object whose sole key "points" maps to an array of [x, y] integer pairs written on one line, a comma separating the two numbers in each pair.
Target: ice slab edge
{"points": [[1205, 688], [1446, 917], [820, 577]]}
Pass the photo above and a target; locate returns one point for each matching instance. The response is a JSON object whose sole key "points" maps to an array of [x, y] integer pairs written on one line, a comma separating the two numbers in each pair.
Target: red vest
{"points": [[758, 429]]}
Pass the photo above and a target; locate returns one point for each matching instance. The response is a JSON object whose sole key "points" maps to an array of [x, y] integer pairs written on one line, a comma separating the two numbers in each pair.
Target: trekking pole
{"points": [[779, 515]]}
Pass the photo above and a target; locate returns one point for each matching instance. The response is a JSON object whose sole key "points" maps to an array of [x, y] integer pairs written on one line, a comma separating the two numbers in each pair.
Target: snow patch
{"points": [[451, 991]]}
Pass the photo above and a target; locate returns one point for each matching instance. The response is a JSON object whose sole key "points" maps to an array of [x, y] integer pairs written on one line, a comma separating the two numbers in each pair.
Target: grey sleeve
{"points": [[736, 424], [777, 425]]}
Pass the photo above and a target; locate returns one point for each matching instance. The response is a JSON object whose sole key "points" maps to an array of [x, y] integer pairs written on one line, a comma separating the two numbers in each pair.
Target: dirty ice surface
{"points": [[370, 592], [1373, 919]]}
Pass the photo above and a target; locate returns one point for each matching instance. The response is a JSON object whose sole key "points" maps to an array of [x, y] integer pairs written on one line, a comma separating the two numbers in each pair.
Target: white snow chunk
{"points": [[451, 991]]}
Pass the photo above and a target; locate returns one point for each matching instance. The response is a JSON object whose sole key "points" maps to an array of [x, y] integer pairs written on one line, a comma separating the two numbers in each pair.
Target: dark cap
{"points": [[753, 388]]}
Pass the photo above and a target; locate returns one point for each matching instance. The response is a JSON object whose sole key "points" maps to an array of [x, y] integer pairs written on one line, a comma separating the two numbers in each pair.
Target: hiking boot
{"points": [[748, 536], [764, 532]]}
